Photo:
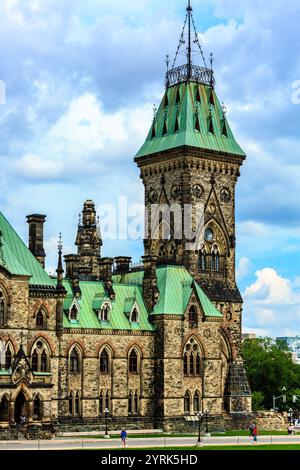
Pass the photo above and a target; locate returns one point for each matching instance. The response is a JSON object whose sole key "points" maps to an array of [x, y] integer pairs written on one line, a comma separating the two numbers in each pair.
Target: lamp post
{"points": [[200, 415], [106, 435], [280, 396], [207, 433], [291, 415]]}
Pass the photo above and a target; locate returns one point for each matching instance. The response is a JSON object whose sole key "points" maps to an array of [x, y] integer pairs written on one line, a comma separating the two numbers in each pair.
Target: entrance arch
{"points": [[21, 407]]}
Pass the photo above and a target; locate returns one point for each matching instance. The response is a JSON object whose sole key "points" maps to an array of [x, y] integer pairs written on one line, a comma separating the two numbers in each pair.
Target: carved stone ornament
{"points": [[197, 190], [175, 191], [152, 196], [225, 195]]}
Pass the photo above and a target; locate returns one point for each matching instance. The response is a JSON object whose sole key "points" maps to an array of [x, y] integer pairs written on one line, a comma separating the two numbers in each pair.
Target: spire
{"points": [[59, 270], [189, 71]]}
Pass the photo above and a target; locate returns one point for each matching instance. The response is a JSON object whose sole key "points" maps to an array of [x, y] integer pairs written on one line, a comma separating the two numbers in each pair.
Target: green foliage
{"points": [[257, 401], [269, 368]]}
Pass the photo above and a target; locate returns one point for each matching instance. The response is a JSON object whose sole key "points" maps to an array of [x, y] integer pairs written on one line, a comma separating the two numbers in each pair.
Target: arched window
{"points": [[187, 403], [3, 308], [193, 317], [185, 364], [74, 361], [105, 313], [192, 359], [8, 356], [196, 402], [104, 362], [202, 259], [133, 362], [136, 402], [101, 403], [74, 313], [4, 409], [77, 404], [35, 361], [44, 361], [130, 402], [40, 321], [70, 404], [37, 408], [40, 361], [134, 317], [215, 259]]}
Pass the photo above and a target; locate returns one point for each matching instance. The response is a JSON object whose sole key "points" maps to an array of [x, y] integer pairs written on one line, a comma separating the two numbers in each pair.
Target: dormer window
{"points": [[105, 312], [134, 316], [74, 311]]}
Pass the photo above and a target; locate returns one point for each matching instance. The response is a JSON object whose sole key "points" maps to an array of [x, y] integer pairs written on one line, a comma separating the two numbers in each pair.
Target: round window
{"points": [[208, 235]]}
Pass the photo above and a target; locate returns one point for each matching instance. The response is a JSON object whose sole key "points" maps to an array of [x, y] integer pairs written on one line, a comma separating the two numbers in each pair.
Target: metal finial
{"points": [[167, 61], [60, 243], [224, 109], [154, 112], [211, 60]]}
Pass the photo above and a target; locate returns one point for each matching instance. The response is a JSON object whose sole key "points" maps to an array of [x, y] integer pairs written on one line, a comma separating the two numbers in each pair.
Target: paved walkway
{"points": [[64, 444]]}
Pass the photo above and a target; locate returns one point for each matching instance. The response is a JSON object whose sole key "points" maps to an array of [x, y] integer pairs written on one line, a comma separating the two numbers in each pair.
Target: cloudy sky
{"points": [[81, 79]]}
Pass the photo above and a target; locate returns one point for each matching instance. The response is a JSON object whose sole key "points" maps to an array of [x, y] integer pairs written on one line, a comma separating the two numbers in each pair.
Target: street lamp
{"points": [[200, 415], [106, 435], [280, 396], [291, 415]]}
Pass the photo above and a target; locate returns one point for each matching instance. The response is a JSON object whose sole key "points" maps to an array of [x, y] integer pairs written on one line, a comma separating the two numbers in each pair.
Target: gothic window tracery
{"points": [[192, 359]]}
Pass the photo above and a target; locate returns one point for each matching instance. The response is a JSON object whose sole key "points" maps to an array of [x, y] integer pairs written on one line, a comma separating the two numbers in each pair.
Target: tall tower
{"points": [[191, 161]]}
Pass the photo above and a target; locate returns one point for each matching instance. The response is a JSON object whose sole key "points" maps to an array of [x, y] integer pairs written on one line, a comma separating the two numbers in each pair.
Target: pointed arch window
{"points": [[196, 402], [3, 308], [211, 98], [4, 404], [210, 126], [192, 359], [224, 129], [104, 362], [165, 127], [8, 356], [177, 126], [133, 362], [44, 361], [178, 97], [202, 259], [153, 132], [77, 404], [187, 403], [130, 402], [215, 259], [35, 361], [74, 361], [197, 124], [70, 404], [193, 317], [136, 402], [40, 320], [37, 408], [134, 316], [74, 313]]}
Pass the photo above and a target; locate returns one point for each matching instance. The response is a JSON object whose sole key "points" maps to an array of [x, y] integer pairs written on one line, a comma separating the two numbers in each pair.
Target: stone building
{"points": [[151, 345]]}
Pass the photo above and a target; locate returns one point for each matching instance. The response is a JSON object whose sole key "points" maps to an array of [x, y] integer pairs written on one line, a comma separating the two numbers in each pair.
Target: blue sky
{"points": [[81, 79]]}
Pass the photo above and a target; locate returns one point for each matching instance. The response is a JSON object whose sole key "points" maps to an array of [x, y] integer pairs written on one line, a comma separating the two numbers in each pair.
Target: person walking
{"points": [[251, 427], [123, 437], [254, 434]]}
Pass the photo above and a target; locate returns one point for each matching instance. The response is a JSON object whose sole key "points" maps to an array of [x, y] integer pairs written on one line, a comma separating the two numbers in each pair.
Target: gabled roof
{"points": [[186, 118], [18, 259]]}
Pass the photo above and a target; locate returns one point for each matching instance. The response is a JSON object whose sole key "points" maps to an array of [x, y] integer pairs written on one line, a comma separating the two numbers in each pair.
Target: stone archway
{"points": [[21, 407]]}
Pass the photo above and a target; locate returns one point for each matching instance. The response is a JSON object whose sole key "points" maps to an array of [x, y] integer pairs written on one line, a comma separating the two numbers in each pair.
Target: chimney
{"points": [[150, 289], [72, 262], [105, 271], [36, 237], [122, 264]]}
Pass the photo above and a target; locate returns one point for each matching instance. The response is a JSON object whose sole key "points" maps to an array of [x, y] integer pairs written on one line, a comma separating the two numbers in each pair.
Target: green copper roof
{"points": [[190, 115], [18, 259], [118, 320], [175, 285]]}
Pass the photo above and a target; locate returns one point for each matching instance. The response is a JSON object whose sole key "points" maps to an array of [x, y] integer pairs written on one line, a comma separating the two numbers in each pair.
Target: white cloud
{"points": [[270, 288], [243, 267]]}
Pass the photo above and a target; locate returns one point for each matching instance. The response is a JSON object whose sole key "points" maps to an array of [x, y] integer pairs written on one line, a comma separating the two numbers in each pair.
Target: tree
{"points": [[269, 368]]}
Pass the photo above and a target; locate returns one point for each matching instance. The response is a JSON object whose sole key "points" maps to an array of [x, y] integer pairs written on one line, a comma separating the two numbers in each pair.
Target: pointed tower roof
{"points": [[190, 114]]}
